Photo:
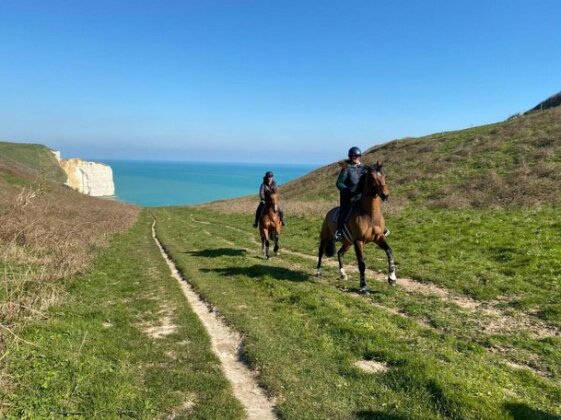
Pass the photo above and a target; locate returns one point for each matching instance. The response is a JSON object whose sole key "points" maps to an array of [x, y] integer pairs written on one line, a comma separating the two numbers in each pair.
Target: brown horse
{"points": [[365, 224], [270, 223]]}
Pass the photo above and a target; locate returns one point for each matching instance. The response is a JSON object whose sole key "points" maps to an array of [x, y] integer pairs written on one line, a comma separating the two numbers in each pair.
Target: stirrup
{"points": [[386, 232], [338, 235]]}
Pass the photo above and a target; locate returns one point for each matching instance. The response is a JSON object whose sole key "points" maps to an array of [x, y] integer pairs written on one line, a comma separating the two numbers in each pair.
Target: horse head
{"points": [[377, 181], [272, 200]]}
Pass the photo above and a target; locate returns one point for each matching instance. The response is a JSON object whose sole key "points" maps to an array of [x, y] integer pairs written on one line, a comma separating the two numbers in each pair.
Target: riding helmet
{"points": [[268, 174], [354, 151]]}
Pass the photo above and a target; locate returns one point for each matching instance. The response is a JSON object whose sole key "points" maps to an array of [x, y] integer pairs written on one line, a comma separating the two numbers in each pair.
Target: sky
{"points": [[266, 81]]}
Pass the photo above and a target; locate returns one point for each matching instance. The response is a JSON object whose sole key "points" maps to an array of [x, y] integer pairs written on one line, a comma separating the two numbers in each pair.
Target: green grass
{"points": [[93, 357], [304, 334], [514, 255], [35, 157]]}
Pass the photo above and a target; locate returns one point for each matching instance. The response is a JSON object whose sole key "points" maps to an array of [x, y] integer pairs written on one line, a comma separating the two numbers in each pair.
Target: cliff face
{"points": [[90, 178]]}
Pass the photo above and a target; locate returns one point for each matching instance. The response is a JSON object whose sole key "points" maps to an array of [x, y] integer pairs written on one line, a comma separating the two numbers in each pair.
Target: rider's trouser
{"points": [[344, 207]]}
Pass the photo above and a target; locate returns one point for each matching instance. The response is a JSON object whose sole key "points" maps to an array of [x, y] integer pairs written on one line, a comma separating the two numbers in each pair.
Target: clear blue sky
{"points": [[249, 80]]}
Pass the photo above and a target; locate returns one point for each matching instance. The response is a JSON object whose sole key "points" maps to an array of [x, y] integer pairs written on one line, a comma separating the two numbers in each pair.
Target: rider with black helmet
{"points": [[347, 181], [268, 185]]}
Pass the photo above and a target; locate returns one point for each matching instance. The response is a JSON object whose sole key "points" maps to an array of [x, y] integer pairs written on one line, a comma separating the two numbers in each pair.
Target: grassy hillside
{"points": [[513, 164], [48, 234], [35, 158]]}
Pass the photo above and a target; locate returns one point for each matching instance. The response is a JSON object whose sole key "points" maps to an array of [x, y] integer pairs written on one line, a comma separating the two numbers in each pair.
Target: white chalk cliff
{"points": [[89, 178]]}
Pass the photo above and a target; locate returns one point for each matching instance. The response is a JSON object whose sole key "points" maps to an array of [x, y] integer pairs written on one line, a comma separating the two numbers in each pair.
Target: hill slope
{"points": [[551, 102], [512, 164], [48, 231], [35, 158]]}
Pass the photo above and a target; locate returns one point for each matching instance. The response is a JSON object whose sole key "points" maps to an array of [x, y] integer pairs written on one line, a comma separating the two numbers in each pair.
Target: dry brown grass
{"points": [[247, 205], [47, 233]]}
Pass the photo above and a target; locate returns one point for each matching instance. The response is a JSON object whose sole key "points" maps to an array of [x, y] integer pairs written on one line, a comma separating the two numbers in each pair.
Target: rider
{"points": [[268, 185], [347, 182]]}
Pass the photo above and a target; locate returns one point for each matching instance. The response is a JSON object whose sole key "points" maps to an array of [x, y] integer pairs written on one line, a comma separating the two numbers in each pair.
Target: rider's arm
{"points": [[341, 180], [262, 192]]}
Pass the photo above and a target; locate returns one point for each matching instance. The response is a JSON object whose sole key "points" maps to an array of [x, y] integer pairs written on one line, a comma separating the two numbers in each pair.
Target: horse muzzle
{"points": [[384, 197]]}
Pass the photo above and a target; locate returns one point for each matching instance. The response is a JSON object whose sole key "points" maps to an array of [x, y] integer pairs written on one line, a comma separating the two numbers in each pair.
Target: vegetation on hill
{"points": [[551, 102], [34, 158], [513, 164]]}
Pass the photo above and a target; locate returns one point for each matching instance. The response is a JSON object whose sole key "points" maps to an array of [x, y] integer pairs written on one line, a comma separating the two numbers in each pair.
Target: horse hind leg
{"points": [[321, 250], [277, 246]]}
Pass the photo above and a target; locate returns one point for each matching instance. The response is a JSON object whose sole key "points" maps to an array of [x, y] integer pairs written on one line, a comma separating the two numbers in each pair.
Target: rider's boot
{"points": [[339, 232]]}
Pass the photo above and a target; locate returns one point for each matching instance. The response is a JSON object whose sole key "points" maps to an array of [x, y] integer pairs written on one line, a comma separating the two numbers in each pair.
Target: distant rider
{"points": [[267, 186]]}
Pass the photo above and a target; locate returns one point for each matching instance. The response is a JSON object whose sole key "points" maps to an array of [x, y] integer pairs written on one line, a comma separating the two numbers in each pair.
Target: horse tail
{"points": [[330, 248]]}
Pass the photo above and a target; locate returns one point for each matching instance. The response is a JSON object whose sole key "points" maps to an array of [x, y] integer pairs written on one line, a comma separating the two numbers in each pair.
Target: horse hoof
{"points": [[277, 253], [343, 275], [364, 291], [318, 273], [392, 282]]}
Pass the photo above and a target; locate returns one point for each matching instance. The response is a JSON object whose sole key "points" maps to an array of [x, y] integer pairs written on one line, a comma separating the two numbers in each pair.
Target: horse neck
{"points": [[370, 202], [371, 206]]}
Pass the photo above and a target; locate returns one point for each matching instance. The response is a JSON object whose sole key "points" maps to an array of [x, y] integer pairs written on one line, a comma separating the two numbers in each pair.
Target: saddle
{"points": [[335, 215]]}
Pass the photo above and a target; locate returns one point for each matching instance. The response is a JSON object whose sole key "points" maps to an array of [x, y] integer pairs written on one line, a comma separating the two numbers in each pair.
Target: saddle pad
{"points": [[335, 215]]}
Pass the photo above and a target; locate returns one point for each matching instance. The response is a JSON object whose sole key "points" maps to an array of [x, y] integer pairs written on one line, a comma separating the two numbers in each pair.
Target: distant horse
{"points": [[365, 224], [270, 223]]}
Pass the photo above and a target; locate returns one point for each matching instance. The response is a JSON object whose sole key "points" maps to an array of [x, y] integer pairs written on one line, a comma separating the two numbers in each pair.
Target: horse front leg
{"points": [[340, 255], [265, 243], [359, 251], [392, 277]]}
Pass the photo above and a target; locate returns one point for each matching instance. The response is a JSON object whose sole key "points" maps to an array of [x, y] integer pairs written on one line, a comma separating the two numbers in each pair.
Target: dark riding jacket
{"points": [[271, 189], [349, 177]]}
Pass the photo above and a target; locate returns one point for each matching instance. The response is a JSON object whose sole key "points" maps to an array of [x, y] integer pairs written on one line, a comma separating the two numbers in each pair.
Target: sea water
{"points": [[155, 183]]}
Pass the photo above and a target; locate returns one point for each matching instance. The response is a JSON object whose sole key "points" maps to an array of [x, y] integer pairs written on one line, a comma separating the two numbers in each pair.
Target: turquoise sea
{"points": [[155, 183]]}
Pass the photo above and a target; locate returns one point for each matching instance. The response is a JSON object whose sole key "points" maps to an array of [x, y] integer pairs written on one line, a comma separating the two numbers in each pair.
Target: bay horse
{"points": [[270, 223], [365, 224]]}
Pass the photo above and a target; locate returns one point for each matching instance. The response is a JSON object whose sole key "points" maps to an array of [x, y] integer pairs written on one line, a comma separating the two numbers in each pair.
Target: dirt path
{"points": [[225, 344]]}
